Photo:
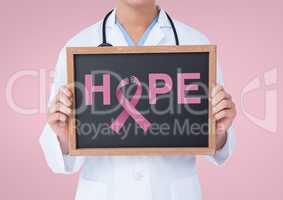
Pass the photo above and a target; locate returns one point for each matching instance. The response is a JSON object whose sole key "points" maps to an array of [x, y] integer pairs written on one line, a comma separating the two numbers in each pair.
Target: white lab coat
{"points": [[130, 177]]}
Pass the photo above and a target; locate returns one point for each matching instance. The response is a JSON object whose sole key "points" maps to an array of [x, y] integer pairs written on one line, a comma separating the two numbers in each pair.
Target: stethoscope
{"points": [[104, 40]]}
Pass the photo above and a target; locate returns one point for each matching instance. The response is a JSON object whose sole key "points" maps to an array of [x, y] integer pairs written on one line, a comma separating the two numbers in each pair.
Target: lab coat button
{"points": [[138, 176]]}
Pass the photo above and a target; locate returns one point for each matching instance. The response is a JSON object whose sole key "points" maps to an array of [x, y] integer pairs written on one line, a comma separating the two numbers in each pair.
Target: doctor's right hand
{"points": [[58, 115]]}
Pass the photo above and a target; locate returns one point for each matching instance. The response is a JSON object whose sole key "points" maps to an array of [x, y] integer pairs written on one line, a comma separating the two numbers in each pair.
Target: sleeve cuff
{"points": [[56, 160], [225, 152]]}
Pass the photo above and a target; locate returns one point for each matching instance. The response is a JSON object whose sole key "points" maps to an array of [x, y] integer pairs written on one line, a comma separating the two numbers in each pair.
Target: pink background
{"points": [[249, 35]]}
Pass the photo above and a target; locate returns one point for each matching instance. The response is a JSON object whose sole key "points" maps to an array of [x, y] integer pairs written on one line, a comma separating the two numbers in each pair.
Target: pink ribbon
{"points": [[129, 106]]}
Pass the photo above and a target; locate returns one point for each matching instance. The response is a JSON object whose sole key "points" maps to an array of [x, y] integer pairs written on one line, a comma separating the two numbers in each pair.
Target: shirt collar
{"points": [[162, 20]]}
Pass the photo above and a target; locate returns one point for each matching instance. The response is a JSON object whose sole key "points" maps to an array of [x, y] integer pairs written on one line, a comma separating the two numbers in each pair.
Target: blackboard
{"points": [[141, 100]]}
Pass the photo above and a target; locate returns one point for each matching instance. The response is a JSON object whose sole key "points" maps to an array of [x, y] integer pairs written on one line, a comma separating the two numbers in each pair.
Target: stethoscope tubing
{"points": [[104, 39]]}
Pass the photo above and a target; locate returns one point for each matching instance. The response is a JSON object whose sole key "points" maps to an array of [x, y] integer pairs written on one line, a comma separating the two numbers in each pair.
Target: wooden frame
{"points": [[211, 49]]}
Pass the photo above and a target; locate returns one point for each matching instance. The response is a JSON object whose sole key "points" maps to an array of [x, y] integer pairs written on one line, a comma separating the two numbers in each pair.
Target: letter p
{"points": [[154, 90]]}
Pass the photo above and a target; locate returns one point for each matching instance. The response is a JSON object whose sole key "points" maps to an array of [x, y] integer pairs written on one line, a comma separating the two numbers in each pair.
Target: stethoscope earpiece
{"points": [[104, 40]]}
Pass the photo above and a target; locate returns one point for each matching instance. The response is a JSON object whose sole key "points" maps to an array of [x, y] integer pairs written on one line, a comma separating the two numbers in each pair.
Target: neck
{"points": [[135, 19]]}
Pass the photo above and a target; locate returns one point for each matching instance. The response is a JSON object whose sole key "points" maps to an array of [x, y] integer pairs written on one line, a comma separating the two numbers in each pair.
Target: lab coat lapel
{"points": [[113, 33], [115, 37], [157, 34]]}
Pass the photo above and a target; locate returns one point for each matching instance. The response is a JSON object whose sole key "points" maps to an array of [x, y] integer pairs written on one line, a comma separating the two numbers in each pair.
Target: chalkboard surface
{"points": [[170, 116]]}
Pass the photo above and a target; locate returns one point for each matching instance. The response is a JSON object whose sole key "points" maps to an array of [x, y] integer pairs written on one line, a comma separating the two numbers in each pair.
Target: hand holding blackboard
{"points": [[58, 115]]}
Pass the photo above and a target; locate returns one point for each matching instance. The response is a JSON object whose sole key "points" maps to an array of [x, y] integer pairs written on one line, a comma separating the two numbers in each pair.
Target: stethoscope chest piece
{"points": [[105, 45]]}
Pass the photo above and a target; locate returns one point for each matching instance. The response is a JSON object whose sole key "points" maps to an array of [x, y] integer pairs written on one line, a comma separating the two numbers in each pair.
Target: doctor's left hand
{"points": [[224, 112]]}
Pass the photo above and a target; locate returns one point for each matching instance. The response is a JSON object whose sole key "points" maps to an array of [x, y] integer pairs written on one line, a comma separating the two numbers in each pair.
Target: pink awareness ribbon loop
{"points": [[129, 106]]}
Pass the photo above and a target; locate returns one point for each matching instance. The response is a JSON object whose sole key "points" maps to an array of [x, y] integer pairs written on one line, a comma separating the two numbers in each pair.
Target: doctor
{"points": [[133, 22]]}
